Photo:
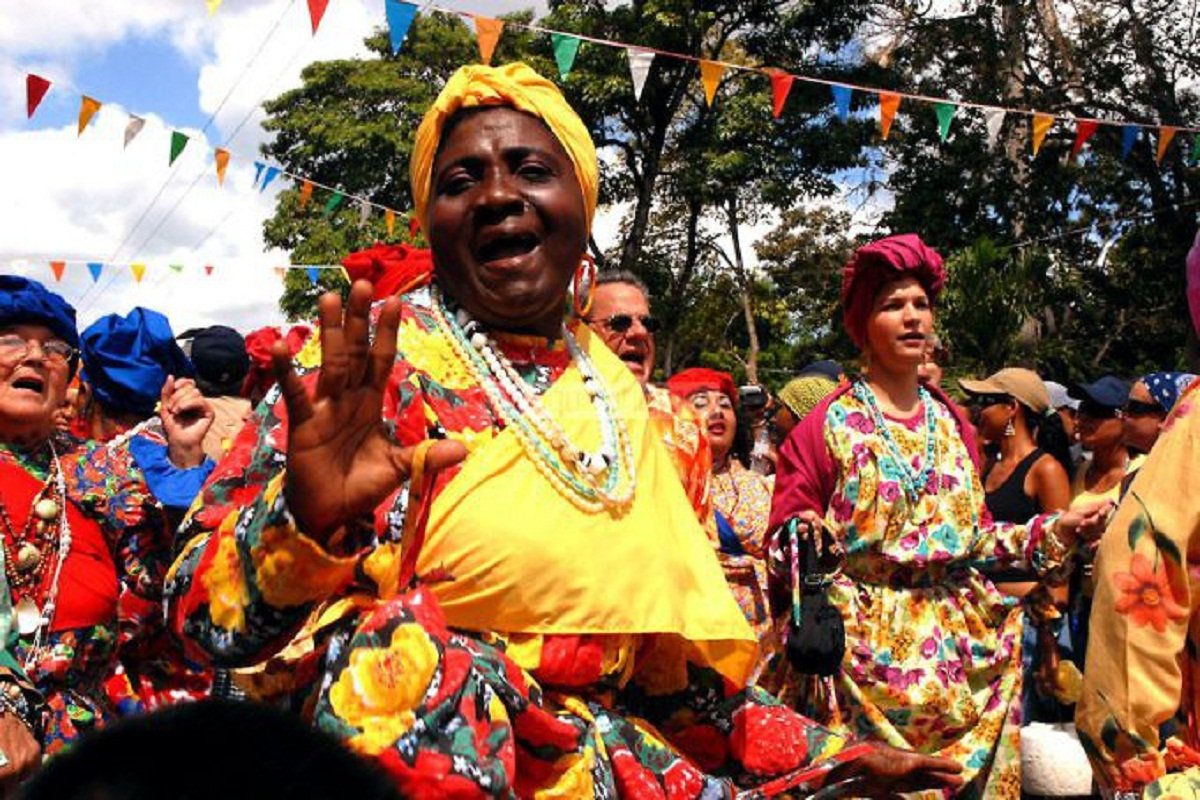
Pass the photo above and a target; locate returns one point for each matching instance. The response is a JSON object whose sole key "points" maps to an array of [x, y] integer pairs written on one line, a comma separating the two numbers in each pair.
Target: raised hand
{"points": [[341, 462], [886, 771], [186, 417]]}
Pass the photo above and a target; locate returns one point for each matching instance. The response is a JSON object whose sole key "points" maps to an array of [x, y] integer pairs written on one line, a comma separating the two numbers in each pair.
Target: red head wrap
{"points": [[258, 346], [879, 263], [392, 268], [699, 379]]}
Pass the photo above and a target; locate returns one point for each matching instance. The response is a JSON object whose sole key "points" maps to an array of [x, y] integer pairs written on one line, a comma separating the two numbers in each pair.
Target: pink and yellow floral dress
{"points": [[932, 659]]}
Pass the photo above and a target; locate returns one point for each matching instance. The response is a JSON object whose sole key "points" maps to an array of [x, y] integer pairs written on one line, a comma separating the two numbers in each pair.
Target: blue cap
{"points": [[1109, 391], [1165, 387], [126, 360], [827, 367], [26, 302]]}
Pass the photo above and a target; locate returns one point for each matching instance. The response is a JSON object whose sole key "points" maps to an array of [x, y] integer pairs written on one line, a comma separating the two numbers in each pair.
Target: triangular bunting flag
{"points": [[1129, 137], [280, 272], [364, 212], [399, 19], [1195, 157], [221, 157], [487, 31], [389, 218], [272, 174], [95, 267], [258, 171], [993, 120], [138, 270], [58, 267], [35, 89], [314, 274], [710, 76], [639, 68], [1084, 129], [88, 106], [841, 100], [305, 193], [178, 142], [889, 103], [1165, 134], [176, 268], [565, 49], [781, 85], [213, 5], [414, 225], [316, 10], [208, 269], [332, 203], [133, 128], [945, 115], [1041, 126]]}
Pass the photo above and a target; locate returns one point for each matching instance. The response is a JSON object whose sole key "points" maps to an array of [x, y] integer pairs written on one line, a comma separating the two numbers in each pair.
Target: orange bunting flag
{"points": [[781, 85], [57, 267], [1165, 134], [487, 31], [306, 190], [221, 156], [88, 107], [889, 104], [710, 76], [389, 217], [1084, 129], [1041, 126], [279, 272], [138, 270]]}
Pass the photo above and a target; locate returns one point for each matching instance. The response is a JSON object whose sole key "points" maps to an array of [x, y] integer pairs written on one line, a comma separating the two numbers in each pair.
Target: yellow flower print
{"points": [[383, 567], [224, 582], [293, 569], [432, 354], [381, 686], [309, 356]]}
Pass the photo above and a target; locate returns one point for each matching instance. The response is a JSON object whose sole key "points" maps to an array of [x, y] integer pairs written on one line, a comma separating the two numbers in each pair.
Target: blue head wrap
{"points": [[26, 302], [126, 360], [1165, 387]]}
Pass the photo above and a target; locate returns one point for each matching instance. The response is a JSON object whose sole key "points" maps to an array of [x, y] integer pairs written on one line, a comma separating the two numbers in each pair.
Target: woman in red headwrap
{"points": [[886, 465], [741, 498]]}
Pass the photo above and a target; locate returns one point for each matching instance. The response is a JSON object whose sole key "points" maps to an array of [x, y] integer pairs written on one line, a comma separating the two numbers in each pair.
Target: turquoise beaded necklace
{"points": [[911, 482]]}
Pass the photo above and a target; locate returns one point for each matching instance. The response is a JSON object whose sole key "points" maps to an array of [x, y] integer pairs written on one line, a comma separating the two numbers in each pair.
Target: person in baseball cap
{"points": [[1101, 432]]}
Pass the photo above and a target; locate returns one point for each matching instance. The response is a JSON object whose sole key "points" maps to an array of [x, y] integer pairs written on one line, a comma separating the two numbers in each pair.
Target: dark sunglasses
{"points": [[989, 400], [1096, 411], [620, 323], [1138, 408]]}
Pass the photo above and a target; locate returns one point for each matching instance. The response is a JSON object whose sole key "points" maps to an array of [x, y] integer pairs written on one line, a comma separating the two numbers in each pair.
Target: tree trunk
{"points": [[681, 283], [1012, 68], [743, 281]]}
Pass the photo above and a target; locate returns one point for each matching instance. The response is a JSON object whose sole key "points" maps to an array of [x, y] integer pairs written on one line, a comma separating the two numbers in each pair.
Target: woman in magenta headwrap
{"points": [[932, 658]]}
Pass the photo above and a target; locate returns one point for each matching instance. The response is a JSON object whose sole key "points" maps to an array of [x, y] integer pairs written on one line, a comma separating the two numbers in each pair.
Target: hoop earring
{"points": [[585, 273]]}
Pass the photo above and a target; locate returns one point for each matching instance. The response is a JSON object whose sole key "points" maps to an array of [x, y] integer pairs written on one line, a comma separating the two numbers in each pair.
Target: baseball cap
{"points": [[1059, 397], [1023, 384], [1109, 391]]}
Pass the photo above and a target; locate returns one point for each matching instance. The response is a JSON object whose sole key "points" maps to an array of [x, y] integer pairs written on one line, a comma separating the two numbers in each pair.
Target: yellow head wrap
{"points": [[514, 85]]}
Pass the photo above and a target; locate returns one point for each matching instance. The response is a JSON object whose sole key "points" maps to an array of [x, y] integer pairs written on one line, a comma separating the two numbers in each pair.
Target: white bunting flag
{"points": [[639, 68], [994, 118]]}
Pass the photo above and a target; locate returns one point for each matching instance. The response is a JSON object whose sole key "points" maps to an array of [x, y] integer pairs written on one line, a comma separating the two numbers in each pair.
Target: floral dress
{"points": [[450, 712], [932, 658], [1139, 716], [110, 593]]}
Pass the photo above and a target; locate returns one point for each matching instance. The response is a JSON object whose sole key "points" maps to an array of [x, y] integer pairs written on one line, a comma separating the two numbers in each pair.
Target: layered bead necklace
{"points": [[912, 482], [592, 481], [34, 556]]}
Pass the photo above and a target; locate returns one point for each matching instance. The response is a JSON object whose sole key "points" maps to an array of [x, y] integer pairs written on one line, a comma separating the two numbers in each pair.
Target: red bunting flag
{"points": [[487, 31], [208, 269], [781, 85], [1165, 134], [889, 104], [57, 267], [35, 89], [316, 10], [1084, 129], [414, 225]]}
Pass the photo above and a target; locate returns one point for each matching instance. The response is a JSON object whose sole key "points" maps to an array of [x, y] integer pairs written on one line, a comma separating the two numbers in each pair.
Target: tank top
{"points": [[1009, 503]]}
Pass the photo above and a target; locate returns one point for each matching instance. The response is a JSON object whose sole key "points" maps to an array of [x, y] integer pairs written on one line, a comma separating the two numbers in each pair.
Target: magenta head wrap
{"points": [[877, 264], [1193, 282]]}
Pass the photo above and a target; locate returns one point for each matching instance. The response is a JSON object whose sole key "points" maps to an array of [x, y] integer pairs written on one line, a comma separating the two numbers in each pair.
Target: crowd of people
{"points": [[460, 527]]}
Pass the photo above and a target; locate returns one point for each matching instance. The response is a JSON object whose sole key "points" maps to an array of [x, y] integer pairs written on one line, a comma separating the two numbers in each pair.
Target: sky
{"points": [[86, 197]]}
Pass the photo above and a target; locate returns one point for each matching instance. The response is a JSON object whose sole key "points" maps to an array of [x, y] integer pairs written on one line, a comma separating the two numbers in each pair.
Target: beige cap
{"points": [[1023, 384]]}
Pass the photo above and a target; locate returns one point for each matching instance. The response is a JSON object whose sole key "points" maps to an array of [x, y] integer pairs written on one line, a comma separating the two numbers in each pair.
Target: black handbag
{"points": [[816, 633]]}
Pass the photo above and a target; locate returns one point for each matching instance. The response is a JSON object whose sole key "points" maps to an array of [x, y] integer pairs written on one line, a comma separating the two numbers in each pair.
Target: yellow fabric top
{"points": [[515, 85], [524, 559]]}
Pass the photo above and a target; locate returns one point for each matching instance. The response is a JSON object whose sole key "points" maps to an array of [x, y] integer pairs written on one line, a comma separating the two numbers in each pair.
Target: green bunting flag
{"points": [[178, 142], [945, 115], [333, 203], [1196, 149], [565, 48]]}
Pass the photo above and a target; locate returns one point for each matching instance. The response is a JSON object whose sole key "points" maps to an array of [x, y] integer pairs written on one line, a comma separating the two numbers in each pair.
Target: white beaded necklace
{"points": [[64, 549]]}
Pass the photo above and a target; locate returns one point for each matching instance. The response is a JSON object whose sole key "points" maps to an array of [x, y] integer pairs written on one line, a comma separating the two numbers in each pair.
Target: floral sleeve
{"points": [[1004, 544]]}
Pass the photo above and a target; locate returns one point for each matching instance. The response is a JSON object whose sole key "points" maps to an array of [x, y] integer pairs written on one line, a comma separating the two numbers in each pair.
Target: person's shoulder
{"points": [[1047, 467]]}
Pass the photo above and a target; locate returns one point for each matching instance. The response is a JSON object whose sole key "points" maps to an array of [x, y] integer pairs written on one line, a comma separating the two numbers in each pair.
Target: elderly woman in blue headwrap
{"points": [[79, 529]]}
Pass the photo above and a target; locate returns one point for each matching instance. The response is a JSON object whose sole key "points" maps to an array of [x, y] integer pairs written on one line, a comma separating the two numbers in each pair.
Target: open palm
{"points": [[341, 461]]}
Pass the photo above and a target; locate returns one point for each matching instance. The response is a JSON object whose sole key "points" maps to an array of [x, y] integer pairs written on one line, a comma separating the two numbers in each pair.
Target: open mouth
{"points": [[716, 428], [633, 357], [30, 383], [913, 338], [506, 246]]}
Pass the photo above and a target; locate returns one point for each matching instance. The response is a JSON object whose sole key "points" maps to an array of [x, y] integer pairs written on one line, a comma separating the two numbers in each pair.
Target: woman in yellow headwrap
{"points": [[541, 617]]}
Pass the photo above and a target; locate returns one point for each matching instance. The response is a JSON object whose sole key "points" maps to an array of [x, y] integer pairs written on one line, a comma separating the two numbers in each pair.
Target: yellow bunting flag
{"points": [[389, 217], [889, 104], [88, 107], [138, 270], [710, 76], [306, 190], [221, 156], [1165, 134], [1041, 126], [213, 5], [57, 267], [487, 30]]}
